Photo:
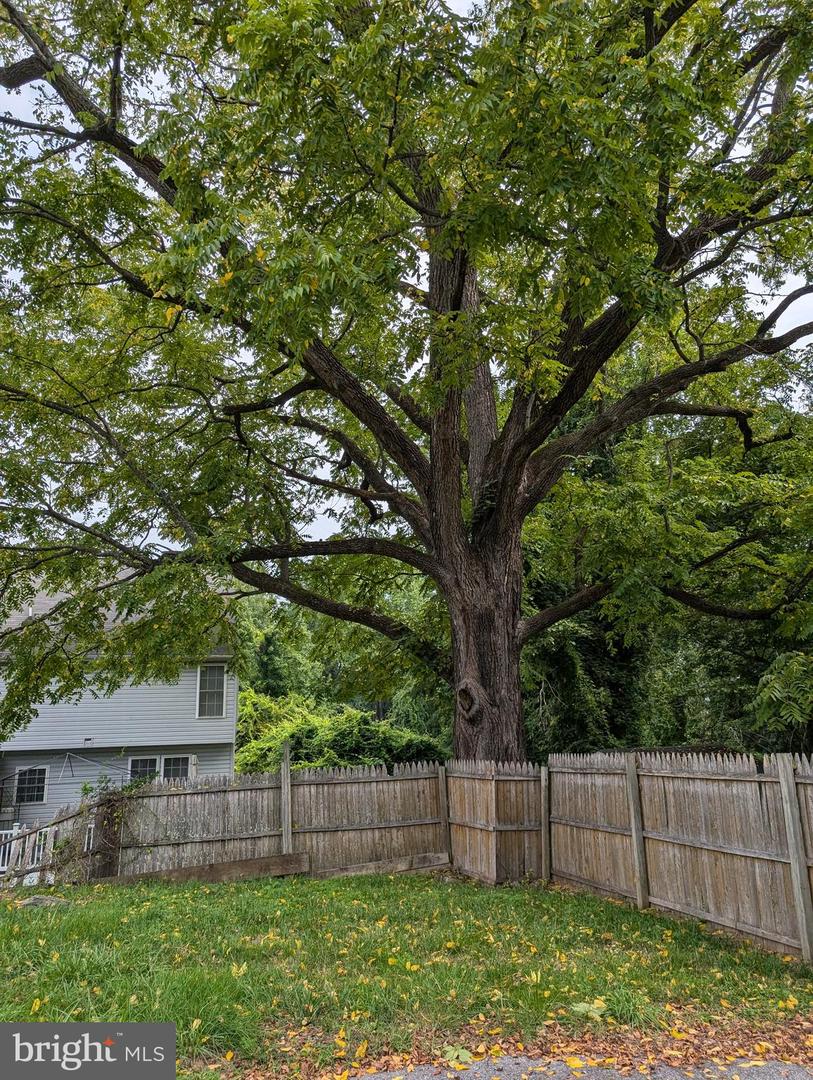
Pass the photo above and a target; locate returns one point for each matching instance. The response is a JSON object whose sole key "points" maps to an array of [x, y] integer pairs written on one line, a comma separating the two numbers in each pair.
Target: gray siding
{"points": [[152, 714], [69, 771]]}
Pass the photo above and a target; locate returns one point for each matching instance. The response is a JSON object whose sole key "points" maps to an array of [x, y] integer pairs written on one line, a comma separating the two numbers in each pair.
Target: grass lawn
{"points": [[308, 971]]}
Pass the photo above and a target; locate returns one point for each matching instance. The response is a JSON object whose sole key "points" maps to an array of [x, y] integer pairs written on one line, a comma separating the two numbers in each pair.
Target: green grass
{"points": [[279, 968]]}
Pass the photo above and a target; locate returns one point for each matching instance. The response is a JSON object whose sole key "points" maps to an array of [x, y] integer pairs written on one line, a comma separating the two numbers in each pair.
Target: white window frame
{"points": [[159, 767], [222, 715], [143, 757], [27, 768]]}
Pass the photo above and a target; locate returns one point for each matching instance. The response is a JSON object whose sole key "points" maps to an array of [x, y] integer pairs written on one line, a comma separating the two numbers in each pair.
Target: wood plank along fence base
{"points": [[714, 837], [431, 860], [239, 870]]}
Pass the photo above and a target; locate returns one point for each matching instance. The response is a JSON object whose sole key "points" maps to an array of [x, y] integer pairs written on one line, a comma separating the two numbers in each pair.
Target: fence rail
{"points": [[712, 836]]}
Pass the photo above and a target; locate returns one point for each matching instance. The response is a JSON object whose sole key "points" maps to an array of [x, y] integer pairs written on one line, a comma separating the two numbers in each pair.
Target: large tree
{"points": [[413, 270]]}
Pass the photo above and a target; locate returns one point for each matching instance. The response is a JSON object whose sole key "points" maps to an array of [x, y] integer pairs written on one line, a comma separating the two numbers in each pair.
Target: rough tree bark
{"points": [[482, 582], [484, 607]]}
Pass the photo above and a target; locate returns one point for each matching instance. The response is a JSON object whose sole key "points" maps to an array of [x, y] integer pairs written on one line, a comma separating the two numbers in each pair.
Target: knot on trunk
{"points": [[469, 699]]}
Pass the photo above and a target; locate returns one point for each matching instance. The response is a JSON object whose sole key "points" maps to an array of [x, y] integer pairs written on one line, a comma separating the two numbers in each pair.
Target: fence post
{"points": [[443, 806], [285, 800], [637, 832], [122, 823], [104, 859], [799, 876], [544, 825], [495, 834]]}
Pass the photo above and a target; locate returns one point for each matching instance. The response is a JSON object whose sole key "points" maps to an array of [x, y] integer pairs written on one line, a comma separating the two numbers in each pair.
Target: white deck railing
{"points": [[6, 837]]}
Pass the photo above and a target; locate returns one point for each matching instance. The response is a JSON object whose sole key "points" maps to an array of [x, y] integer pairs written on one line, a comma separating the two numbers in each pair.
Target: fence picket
{"points": [[285, 800], [544, 825], [798, 856], [637, 832]]}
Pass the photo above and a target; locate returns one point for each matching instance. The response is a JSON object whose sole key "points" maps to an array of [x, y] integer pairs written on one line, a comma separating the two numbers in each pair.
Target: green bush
{"points": [[322, 735], [783, 705]]}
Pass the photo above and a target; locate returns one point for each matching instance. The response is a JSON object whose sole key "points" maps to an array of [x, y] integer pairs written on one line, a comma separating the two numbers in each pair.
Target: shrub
{"points": [[322, 735]]}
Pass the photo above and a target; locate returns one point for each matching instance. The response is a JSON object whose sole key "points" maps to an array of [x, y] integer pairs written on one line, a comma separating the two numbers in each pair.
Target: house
{"points": [[174, 731]]}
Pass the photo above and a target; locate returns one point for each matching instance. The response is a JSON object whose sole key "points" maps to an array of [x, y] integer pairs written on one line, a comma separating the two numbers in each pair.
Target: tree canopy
{"points": [[526, 280]]}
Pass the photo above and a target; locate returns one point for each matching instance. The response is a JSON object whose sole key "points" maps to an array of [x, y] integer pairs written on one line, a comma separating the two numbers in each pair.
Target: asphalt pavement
{"points": [[523, 1068]]}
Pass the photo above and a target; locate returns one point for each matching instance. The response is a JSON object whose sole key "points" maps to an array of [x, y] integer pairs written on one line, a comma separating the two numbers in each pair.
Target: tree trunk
{"points": [[485, 609]]}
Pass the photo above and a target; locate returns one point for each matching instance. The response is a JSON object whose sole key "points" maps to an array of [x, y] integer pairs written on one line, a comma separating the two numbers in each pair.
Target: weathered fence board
{"points": [[426, 861], [170, 824], [590, 824], [797, 854], [712, 840], [639, 861], [346, 817], [471, 819], [495, 816], [238, 870]]}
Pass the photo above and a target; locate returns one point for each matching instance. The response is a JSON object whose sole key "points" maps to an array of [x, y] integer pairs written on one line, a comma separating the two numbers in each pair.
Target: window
{"points": [[31, 785], [176, 768], [141, 767], [212, 690]]}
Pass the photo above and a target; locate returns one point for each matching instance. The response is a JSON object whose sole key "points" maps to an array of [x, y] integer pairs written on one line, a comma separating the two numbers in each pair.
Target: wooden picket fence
{"points": [[498, 830], [716, 837], [711, 836], [342, 819], [322, 821]]}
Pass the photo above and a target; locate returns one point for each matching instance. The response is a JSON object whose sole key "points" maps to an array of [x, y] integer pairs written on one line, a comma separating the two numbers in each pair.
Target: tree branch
{"points": [[408, 406], [328, 373], [44, 64], [13, 207], [589, 596], [542, 620], [662, 24], [103, 435], [354, 545], [599, 340], [711, 607], [131, 554], [741, 416], [390, 628], [322, 363], [409, 508], [22, 72], [367, 495], [735, 545], [244, 408], [50, 615], [547, 465]]}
